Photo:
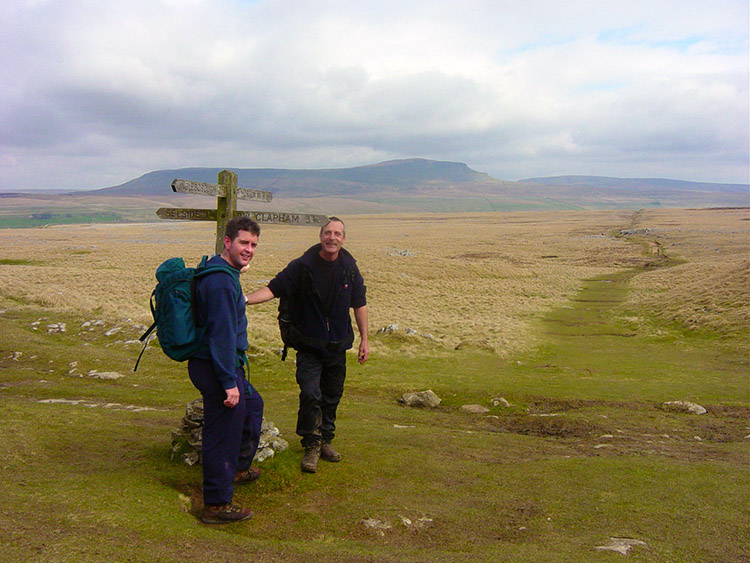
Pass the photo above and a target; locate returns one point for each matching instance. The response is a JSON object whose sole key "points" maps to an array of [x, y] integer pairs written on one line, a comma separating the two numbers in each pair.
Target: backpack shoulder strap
{"points": [[204, 269], [214, 268]]}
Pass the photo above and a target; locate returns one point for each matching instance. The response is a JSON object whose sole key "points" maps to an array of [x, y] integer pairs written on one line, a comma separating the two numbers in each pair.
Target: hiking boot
{"points": [[247, 476], [310, 460], [328, 453], [224, 513]]}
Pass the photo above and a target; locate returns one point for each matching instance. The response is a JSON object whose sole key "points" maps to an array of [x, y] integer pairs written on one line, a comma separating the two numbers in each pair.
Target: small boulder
{"points": [[420, 399], [104, 374], [683, 406]]}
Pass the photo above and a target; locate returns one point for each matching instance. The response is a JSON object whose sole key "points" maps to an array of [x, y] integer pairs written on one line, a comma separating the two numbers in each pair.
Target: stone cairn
{"points": [[186, 440]]}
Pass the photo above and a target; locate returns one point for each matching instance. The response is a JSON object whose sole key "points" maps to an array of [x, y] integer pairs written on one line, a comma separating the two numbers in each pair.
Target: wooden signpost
{"points": [[227, 193], [201, 188]]}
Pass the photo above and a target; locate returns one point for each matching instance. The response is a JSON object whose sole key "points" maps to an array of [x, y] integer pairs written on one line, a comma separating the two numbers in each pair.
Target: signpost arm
{"points": [[225, 206], [227, 193]]}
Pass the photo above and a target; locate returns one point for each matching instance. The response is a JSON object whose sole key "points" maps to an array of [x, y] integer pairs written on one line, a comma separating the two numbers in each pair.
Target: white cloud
{"points": [[93, 93]]}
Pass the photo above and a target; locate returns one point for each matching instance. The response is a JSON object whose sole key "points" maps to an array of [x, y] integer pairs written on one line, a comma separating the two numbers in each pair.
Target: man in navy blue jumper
{"points": [[324, 284], [232, 408]]}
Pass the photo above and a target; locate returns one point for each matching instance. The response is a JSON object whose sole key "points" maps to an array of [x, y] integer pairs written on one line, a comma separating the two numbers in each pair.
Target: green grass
{"points": [[593, 349], [15, 221], [15, 262], [584, 453]]}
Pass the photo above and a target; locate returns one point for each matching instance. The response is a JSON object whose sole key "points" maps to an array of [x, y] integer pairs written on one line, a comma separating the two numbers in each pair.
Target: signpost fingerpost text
{"points": [[227, 193]]}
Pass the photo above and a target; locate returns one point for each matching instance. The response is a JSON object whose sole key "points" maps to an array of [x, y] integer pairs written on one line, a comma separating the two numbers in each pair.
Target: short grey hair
{"points": [[331, 219]]}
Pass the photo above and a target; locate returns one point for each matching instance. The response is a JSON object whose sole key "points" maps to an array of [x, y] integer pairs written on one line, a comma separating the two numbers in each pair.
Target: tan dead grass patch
{"points": [[711, 290], [467, 279]]}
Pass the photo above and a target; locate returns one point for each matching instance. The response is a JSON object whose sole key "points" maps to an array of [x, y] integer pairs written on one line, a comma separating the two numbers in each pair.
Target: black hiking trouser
{"points": [[320, 376]]}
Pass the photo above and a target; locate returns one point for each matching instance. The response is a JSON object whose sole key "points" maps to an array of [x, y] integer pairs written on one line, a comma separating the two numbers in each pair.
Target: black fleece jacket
{"points": [[298, 280]]}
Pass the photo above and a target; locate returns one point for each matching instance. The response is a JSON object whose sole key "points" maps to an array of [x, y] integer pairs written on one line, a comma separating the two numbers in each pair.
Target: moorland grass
{"points": [[583, 453], [44, 219]]}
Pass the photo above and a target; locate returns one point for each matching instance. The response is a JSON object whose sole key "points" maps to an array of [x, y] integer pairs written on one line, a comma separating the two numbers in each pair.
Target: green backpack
{"points": [[174, 308]]}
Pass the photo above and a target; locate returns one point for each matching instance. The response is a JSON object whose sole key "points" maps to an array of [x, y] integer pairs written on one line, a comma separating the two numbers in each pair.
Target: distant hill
{"points": [[396, 175], [396, 186], [637, 185], [417, 185]]}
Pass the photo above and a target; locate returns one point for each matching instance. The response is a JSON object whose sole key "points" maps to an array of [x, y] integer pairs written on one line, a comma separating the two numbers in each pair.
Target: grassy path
{"points": [[595, 347]]}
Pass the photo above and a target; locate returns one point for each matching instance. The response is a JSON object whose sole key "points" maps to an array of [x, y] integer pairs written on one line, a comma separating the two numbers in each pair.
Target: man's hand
{"points": [[364, 352], [233, 397], [360, 315]]}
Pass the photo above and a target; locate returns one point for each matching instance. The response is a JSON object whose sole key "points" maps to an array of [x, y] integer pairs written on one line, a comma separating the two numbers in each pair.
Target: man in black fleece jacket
{"points": [[323, 284]]}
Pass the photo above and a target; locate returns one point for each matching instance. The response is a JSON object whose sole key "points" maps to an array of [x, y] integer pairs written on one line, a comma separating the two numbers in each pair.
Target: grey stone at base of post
{"points": [[186, 440]]}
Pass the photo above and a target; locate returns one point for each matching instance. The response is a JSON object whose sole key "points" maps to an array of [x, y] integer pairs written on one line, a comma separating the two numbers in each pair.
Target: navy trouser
{"points": [[320, 377], [230, 435]]}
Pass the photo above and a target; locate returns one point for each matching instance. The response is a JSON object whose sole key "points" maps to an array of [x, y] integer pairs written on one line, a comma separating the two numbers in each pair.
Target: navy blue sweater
{"points": [[221, 309]]}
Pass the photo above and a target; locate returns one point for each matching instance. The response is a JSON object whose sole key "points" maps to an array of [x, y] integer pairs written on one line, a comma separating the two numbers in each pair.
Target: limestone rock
{"points": [[421, 522], [683, 406], [104, 374], [475, 409], [187, 439], [621, 545], [56, 328], [378, 526], [388, 329], [420, 399]]}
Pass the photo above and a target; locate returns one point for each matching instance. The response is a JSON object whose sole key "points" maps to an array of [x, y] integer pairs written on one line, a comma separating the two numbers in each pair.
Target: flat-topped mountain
{"points": [[418, 184], [395, 175]]}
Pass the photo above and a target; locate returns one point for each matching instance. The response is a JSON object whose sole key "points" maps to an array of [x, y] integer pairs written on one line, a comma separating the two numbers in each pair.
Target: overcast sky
{"points": [[94, 93]]}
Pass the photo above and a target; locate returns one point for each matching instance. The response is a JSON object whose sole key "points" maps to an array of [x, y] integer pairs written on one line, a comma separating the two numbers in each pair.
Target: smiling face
{"points": [[331, 239], [240, 250]]}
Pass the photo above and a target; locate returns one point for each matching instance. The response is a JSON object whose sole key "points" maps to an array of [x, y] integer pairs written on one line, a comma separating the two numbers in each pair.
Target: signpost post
{"points": [[227, 193]]}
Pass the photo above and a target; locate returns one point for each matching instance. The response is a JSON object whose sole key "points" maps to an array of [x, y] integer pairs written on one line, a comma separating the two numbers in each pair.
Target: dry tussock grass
{"points": [[711, 290], [467, 279]]}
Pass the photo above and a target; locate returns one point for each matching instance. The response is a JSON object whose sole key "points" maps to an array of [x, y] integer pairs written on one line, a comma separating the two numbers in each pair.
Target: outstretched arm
{"points": [[259, 296], [360, 316]]}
